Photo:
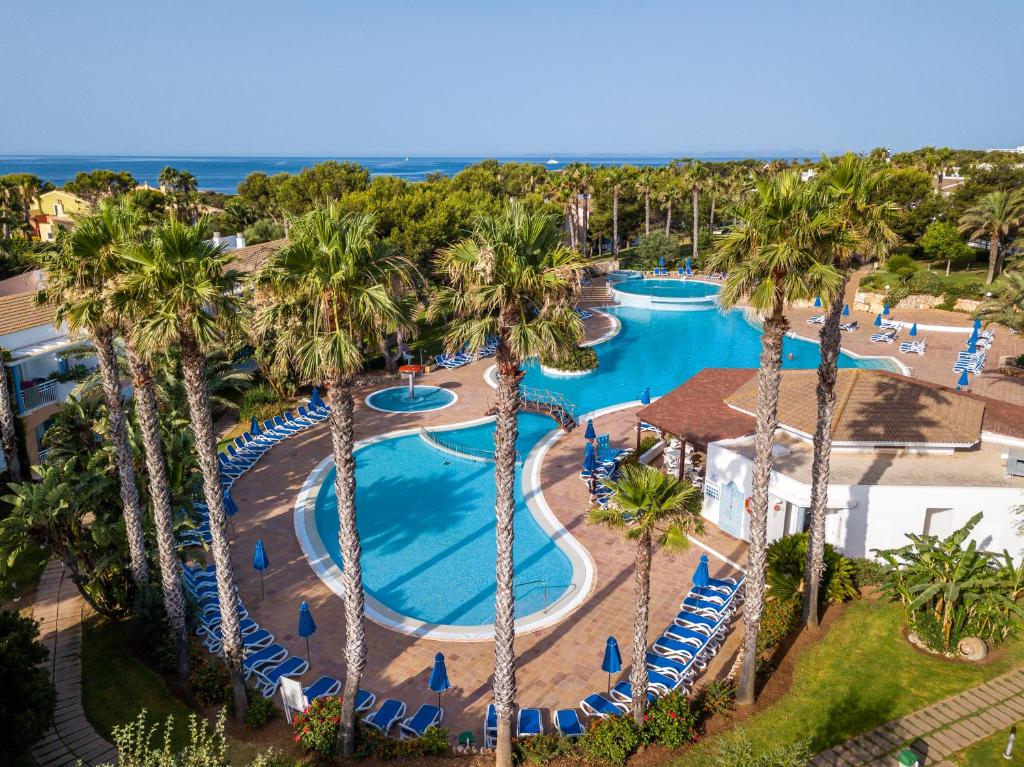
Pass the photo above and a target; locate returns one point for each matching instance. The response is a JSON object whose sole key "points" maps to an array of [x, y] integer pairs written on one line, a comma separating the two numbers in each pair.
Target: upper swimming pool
{"points": [[670, 288]]}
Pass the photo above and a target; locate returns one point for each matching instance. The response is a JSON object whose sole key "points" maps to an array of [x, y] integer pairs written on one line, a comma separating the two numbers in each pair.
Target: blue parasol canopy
{"points": [[687, 263], [259, 557], [229, 504], [885, 310], [661, 262], [307, 626], [846, 310], [590, 433], [965, 380], [589, 459], [612, 662], [972, 340], [254, 427], [878, 320], [913, 330], [817, 302], [977, 324], [700, 575], [645, 396], [439, 675]]}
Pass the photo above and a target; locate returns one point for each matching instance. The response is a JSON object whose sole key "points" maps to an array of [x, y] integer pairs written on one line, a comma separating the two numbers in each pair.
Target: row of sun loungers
{"points": [[913, 347], [530, 722], [464, 357], [819, 319], [972, 362], [886, 337]]}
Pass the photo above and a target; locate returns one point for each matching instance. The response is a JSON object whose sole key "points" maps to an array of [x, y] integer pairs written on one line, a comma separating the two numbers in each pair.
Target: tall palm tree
{"points": [[334, 291], [696, 177], [78, 280], [1007, 303], [645, 181], [585, 178], [651, 508], [855, 191], [996, 216], [617, 177], [513, 279], [772, 256], [8, 434], [187, 296], [668, 193]]}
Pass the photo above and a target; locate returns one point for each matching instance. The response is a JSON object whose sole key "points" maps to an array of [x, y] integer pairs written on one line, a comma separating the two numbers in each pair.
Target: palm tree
{"points": [[669, 192], [651, 508], [186, 296], [996, 216], [772, 257], [334, 291], [617, 177], [854, 190], [696, 178], [645, 182], [513, 279], [78, 278], [8, 434], [1006, 306]]}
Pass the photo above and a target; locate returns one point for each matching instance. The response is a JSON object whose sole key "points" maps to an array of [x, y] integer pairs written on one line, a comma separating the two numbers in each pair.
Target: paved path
{"points": [[938, 731], [58, 608]]}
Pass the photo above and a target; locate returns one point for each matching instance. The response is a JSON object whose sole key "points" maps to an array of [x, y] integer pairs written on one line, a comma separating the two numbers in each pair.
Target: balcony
{"points": [[37, 395]]}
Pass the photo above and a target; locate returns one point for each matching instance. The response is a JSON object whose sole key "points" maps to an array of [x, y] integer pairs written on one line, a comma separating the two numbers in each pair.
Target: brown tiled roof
{"points": [[252, 257], [19, 312], [874, 408], [696, 411]]}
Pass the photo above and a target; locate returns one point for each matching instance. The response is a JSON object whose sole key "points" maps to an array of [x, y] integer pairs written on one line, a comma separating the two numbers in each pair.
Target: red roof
{"points": [[696, 411]]}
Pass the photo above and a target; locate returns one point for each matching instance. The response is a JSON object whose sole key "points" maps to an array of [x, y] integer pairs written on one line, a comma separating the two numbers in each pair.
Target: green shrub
{"points": [[260, 710], [263, 402], [670, 722], [542, 749], [654, 246], [150, 633], [925, 282], [207, 746], [316, 728], [580, 358], [715, 697], [434, 741], [210, 683], [900, 261], [26, 692], [737, 749], [273, 758], [787, 558], [370, 742], [611, 740], [779, 619], [867, 572]]}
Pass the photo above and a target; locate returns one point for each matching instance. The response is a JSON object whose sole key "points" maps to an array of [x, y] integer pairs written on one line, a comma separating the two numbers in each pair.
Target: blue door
{"points": [[730, 510]]}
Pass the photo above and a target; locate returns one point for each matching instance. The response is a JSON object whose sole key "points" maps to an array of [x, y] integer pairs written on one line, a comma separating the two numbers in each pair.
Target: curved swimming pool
{"points": [[396, 399], [667, 295]]}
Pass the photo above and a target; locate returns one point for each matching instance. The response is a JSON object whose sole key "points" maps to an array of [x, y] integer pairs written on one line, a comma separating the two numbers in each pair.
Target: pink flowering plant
{"points": [[669, 722], [316, 728]]}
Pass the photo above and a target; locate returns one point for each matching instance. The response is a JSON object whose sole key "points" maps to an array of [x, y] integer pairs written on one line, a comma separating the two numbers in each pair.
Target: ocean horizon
{"points": [[223, 173]]}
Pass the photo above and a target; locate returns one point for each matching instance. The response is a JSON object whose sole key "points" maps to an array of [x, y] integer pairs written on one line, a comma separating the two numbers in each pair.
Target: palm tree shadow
{"points": [[851, 712]]}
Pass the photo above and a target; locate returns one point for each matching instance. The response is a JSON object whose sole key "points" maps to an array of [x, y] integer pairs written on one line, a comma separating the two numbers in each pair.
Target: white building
{"points": [[907, 457]]}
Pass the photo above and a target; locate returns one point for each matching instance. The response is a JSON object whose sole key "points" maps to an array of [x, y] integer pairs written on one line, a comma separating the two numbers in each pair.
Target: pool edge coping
{"points": [[368, 397]]}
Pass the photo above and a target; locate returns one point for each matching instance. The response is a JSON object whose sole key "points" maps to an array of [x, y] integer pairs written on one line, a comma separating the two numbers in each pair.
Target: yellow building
{"points": [[55, 210]]}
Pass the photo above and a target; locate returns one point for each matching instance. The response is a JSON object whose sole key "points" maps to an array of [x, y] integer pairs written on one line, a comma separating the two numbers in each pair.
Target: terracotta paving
{"points": [[557, 666]]}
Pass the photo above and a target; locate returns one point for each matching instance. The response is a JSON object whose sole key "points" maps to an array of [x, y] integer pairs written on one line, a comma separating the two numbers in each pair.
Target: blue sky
{"points": [[484, 77]]}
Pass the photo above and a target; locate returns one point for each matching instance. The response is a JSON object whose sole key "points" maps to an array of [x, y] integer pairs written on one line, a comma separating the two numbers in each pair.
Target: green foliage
{"points": [[926, 282], [370, 742], [899, 262], [263, 402], [150, 633], [541, 749], [942, 241], [965, 590], [787, 558], [434, 741], [867, 572], [716, 697], [654, 246], [670, 722], [26, 693], [259, 711], [580, 358], [780, 619], [207, 744], [264, 230], [611, 740], [737, 749], [94, 185], [210, 682], [316, 728]]}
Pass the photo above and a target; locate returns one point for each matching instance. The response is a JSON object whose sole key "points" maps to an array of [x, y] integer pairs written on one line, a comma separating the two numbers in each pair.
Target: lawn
{"points": [[862, 674], [990, 752]]}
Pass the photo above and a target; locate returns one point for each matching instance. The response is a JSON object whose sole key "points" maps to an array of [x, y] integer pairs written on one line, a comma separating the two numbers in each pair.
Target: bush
{"points": [[370, 742], [611, 740], [150, 633], [670, 722], [207, 746], [210, 683], [264, 230], [580, 358], [926, 282], [260, 710], [867, 572], [714, 697], [737, 749], [26, 692], [316, 728], [901, 261], [542, 749], [263, 402], [434, 741], [787, 559], [779, 619], [654, 246]]}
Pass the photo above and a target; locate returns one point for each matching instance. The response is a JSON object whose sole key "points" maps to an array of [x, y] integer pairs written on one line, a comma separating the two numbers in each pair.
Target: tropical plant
{"points": [[617, 177], [853, 192], [645, 182], [650, 508], [772, 256], [182, 295], [951, 584], [27, 696], [669, 192], [334, 290], [78, 278], [207, 743], [8, 432], [1006, 306], [512, 279], [996, 217], [670, 722], [786, 560]]}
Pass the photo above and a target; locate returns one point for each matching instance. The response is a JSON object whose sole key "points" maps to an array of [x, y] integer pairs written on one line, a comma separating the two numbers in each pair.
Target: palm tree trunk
{"points": [[615, 222], [107, 359], [506, 431], [696, 209], [342, 440], [668, 217], [993, 259], [586, 223], [8, 434], [711, 219], [163, 516], [820, 469], [767, 421], [193, 363], [647, 212], [642, 597]]}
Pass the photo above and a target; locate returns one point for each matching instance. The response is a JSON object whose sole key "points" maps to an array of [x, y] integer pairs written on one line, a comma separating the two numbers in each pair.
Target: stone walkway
{"points": [[58, 608], [938, 731]]}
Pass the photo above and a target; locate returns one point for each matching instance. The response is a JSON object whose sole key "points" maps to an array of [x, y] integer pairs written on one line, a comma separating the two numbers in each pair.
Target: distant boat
{"points": [[407, 159], [552, 161]]}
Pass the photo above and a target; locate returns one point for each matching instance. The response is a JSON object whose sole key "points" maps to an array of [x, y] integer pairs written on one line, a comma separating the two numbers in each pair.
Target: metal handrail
{"points": [[547, 397], [542, 581], [457, 447]]}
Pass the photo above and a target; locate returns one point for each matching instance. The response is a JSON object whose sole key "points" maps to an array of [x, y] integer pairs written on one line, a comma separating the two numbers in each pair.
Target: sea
{"points": [[224, 173]]}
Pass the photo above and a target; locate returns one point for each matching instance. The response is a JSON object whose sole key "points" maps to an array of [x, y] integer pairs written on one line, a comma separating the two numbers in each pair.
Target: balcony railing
{"points": [[37, 395]]}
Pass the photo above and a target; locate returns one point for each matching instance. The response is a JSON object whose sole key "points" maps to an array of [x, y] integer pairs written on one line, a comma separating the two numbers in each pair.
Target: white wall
{"points": [[870, 517]]}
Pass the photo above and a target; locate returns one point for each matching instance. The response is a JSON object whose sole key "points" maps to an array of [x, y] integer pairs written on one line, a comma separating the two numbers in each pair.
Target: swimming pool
{"points": [[396, 399], [426, 516], [667, 295]]}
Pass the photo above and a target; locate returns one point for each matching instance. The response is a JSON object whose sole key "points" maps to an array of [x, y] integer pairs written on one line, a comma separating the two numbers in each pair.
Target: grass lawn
{"points": [[862, 674], [990, 752]]}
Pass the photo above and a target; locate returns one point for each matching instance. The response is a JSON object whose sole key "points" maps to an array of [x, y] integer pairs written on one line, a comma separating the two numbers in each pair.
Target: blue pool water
{"points": [[672, 288], [397, 400], [427, 517]]}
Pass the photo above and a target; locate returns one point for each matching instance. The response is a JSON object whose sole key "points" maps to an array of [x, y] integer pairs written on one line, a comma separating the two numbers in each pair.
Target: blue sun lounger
{"points": [[529, 723], [268, 656], [490, 726], [269, 679], [622, 692], [567, 723], [322, 688], [597, 704], [426, 716], [385, 717], [670, 666]]}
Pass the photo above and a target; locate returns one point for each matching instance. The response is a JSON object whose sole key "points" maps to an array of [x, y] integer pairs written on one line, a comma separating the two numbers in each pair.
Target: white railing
{"points": [[37, 395]]}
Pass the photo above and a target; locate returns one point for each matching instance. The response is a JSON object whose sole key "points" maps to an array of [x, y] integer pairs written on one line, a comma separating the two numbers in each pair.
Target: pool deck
{"points": [[557, 666]]}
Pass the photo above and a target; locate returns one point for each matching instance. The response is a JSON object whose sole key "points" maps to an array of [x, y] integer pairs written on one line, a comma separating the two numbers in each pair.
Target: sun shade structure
{"points": [[590, 433], [260, 562], [612, 663], [439, 677], [307, 626]]}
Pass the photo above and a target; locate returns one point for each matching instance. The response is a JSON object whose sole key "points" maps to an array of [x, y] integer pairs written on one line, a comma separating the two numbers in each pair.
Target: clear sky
{"points": [[468, 77]]}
